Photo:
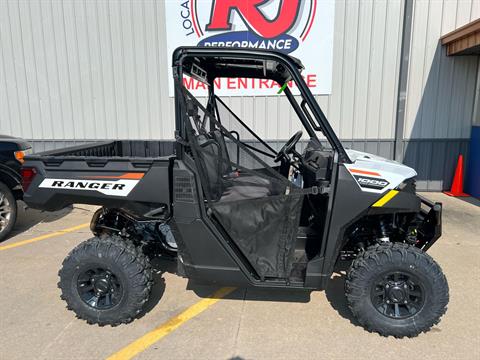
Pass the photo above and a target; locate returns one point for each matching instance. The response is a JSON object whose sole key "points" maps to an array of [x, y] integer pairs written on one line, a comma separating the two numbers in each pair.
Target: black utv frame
{"points": [[242, 213], [331, 182]]}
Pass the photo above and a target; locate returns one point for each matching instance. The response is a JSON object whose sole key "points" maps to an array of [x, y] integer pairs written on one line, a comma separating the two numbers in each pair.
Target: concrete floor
{"points": [[248, 324]]}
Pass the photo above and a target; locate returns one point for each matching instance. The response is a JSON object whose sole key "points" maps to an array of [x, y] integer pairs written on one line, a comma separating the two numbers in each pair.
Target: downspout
{"points": [[402, 80]]}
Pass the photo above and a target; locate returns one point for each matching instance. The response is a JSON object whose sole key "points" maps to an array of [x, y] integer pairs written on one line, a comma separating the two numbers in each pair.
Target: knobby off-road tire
{"points": [[106, 280], [380, 274], [8, 211]]}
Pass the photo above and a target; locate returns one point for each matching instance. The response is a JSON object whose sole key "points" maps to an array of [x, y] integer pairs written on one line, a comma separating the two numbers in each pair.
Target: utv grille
{"points": [[184, 189]]}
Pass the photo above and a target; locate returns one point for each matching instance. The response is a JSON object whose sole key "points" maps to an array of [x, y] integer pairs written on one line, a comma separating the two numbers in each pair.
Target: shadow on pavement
{"points": [[254, 294], [157, 292], [471, 200], [335, 293], [160, 267], [28, 218]]}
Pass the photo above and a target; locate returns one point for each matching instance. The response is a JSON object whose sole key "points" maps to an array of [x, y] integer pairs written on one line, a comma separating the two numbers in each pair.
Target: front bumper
{"points": [[430, 223]]}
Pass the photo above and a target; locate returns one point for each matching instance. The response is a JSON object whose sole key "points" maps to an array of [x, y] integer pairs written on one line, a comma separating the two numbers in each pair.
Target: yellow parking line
{"points": [[166, 328], [43, 237]]}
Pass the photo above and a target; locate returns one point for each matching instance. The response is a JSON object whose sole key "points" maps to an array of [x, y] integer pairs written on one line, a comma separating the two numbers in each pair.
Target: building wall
{"points": [[75, 70], [440, 93], [79, 71]]}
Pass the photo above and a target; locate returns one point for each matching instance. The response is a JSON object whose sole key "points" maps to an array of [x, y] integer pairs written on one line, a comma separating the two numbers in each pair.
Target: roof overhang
{"points": [[464, 40]]}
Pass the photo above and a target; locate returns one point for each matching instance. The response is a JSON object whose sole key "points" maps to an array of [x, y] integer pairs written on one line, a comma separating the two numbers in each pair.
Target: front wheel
{"points": [[106, 281], [396, 289]]}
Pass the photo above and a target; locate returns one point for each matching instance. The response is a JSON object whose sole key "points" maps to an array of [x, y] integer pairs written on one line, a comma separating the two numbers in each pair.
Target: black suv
{"points": [[12, 152]]}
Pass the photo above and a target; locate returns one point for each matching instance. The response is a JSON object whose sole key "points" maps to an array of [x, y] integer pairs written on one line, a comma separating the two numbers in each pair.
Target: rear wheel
{"points": [[106, 281], [8, 211], [396, 289]]}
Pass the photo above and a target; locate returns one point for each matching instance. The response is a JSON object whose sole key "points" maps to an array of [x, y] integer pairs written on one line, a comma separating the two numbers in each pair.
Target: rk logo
{"points": [[220, 18], [302, 28]]}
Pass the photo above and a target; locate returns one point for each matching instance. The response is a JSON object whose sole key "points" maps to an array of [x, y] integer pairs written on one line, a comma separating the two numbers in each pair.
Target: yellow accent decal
{"points": [[386, 198], [166, 328]]}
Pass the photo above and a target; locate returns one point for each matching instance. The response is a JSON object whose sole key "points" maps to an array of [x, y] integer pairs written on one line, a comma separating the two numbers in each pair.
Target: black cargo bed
{"points": [[131, 174], [112, 149]]}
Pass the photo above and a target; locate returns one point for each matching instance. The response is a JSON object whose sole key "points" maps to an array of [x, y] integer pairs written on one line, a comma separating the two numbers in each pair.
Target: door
{"points": [[249, 197]]}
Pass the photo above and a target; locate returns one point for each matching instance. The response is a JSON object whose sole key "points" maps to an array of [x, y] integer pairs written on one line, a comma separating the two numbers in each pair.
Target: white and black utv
{"points": [[230, 208]]}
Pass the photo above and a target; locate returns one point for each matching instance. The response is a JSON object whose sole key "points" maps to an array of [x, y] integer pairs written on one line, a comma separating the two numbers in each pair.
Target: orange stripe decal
{"points": [[129, 176], [136, 176], [364, 172]]}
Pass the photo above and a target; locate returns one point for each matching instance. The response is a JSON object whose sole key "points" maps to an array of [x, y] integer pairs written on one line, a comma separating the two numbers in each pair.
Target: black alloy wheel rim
{"points": [[99, 288], [398, 295]]}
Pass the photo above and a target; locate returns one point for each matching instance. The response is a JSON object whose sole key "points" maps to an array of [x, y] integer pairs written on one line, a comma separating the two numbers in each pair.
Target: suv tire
{"points": [[8, 211], [396, 289], [106, 280]]}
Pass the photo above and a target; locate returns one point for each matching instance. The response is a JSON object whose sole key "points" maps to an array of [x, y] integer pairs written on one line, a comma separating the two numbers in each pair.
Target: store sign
{"points": [[301, 28]]}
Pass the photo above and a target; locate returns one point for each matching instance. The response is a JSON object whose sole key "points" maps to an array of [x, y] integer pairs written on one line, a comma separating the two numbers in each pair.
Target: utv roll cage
{"points": [[209, 63]]}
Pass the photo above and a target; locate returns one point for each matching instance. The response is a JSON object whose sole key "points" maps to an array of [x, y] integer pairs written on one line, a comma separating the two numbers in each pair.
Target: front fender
{"points": [[430, 223]]}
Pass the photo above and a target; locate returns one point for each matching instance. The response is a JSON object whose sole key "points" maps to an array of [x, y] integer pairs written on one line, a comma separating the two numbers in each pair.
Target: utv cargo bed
{"points": [[105, 173], [122, 148]]}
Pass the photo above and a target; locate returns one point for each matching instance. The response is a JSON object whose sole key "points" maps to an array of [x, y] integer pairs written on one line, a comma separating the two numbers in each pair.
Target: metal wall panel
{"points": [[440, 93], [434, 160], [97, 70], [365, 74], [441, 89], [74, 70], [77, 70]]}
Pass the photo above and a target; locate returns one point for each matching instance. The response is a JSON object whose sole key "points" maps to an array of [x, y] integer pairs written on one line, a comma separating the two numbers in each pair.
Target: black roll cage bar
{"points": [[291, 64]]}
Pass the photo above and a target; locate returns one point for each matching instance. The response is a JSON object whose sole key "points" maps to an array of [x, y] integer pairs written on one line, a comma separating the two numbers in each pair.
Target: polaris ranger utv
{"points": [[231, 209]]}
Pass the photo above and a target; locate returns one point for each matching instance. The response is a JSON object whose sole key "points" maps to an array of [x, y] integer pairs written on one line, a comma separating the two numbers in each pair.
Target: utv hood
{"points": [[376, 174]]}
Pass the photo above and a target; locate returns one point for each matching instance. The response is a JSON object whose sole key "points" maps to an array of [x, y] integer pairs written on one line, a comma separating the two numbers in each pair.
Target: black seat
{"points": [[246, 187], [211, 165], [223, 183], [226, 166]]}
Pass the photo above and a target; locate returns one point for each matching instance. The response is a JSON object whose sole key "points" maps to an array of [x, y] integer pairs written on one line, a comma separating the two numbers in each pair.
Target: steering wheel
{"points": [[289, 146]]}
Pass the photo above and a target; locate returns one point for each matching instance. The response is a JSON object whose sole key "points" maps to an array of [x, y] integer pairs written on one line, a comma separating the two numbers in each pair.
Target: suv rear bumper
{"points": [[430, 223]]}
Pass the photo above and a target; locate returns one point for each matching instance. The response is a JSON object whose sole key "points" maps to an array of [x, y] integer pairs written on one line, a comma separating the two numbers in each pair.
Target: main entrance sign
{"points": [[301, 28]]}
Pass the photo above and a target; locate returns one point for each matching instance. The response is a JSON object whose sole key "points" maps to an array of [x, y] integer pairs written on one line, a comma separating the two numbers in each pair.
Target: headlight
{"points": [[20, 155]]}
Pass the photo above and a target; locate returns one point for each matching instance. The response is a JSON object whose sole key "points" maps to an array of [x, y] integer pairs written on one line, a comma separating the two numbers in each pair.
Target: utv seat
{"points": [[246, 187], [224, 183]]}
